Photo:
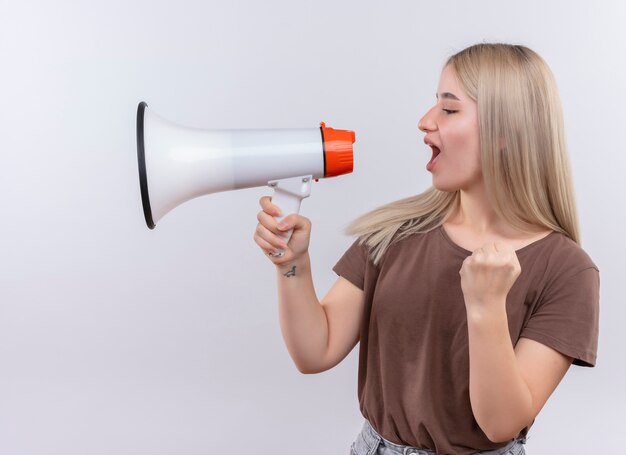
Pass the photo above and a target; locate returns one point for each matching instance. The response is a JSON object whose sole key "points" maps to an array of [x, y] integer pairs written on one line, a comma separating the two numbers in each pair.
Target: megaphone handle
{"points": [[288, 194]]}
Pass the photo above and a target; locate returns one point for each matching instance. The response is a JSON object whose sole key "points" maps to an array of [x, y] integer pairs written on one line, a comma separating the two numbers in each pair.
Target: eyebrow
{"points": [[448, 95]]}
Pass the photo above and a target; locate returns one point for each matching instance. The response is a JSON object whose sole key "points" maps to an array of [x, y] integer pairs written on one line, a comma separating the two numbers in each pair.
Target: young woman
{"points": [[471, 300]]}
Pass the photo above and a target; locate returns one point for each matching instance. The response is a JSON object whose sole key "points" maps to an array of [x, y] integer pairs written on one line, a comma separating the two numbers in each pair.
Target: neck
{"points": [[476, 214]]}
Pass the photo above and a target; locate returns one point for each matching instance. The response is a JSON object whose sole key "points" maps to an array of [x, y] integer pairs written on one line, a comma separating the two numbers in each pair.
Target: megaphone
{"points": [[177, 164]]}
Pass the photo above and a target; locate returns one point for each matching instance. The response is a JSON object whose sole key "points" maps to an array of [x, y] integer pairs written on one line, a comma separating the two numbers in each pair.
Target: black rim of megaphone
{"points": [[141, 158]]}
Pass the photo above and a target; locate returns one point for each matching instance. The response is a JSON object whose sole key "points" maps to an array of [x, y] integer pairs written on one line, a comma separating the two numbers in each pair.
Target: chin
{"points": [[453, 185], [446, 187]]}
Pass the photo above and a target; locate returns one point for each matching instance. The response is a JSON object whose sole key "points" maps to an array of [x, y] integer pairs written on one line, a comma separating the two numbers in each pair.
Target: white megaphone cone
{"points": [[177, 164]]}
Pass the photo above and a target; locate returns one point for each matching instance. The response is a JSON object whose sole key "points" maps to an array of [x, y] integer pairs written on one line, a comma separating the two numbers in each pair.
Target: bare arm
{"points": [[318, 335], [508, 387]]}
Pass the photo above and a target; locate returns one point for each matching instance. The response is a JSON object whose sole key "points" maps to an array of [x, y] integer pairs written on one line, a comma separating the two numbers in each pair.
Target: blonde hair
{"points": [[528, 180]]}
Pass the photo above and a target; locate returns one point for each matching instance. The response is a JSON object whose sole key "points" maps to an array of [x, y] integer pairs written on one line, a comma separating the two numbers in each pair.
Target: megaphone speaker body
{"points": [[178, 163]]}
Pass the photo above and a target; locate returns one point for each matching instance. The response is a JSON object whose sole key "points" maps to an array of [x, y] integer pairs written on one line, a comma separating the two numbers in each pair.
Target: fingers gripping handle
{"points": [[288, 194]]}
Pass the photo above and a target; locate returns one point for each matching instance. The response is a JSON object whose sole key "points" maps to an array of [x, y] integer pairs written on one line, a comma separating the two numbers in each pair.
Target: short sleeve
{"points": [[567, 317], [353, 264]]}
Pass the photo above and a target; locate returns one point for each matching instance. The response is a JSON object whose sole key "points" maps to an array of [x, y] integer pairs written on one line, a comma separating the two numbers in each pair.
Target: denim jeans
{"points": [[369, 442]]}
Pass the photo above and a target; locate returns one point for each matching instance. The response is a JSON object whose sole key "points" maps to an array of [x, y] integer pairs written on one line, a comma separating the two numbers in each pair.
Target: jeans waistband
{"points": [[373, 439]]}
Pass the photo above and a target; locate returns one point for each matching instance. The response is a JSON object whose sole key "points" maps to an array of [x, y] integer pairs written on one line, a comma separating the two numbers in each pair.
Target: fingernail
{"points": [[282, 225]]}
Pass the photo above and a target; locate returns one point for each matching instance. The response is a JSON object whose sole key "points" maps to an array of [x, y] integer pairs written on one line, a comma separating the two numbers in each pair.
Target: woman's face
{"points": [[452, 132]]}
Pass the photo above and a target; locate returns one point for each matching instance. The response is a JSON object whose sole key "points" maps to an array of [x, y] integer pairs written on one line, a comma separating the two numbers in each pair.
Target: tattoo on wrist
{"points": [[291, 272]]}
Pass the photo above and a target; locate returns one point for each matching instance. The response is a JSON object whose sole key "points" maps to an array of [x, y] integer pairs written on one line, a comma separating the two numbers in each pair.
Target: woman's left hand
{"points": [[488, 275]]}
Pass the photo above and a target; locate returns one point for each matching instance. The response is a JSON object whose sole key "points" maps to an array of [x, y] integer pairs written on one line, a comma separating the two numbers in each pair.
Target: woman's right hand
{"points": [[267, 234]]}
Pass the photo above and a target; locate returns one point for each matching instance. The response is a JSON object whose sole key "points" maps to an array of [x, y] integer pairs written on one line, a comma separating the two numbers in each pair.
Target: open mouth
{"points": [[434, 157]]}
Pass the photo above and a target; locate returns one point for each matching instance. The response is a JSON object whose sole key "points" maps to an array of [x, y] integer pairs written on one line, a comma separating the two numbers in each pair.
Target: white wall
{"points": [[117, 339]]}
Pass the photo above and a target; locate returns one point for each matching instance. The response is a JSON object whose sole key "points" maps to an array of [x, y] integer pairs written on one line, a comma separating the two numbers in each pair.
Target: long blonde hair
{"points": [[528, 180]]}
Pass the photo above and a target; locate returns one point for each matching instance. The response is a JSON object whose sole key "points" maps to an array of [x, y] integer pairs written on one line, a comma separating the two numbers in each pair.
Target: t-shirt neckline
{"points": [[469, 253]]}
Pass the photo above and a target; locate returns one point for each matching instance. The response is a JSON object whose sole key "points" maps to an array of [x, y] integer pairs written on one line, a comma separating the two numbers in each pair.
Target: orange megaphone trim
{"points": [[338, 154]]}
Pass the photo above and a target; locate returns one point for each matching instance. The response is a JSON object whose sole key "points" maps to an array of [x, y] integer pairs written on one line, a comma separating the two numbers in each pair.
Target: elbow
{"points": [[504, 427], [309, 365], [499, 437], [306, 367], [312, 368], [498, 433], [307, 370]]}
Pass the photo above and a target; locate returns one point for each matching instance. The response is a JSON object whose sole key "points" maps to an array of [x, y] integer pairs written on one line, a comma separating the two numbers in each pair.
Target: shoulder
{"points": [[356, 261], [563, 298], [415, 245], [361, 254], [565, 256]]}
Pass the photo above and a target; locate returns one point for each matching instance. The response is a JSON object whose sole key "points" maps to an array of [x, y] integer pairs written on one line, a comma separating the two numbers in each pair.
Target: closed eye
{"points": [[449, 111]]}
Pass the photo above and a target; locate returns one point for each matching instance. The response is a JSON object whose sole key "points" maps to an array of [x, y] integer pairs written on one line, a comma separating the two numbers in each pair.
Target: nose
{"points": [[427, 122]]}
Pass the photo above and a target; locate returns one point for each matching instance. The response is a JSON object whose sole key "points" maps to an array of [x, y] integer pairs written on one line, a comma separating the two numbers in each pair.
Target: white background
{"points": [[119, 340]]}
